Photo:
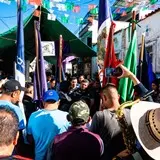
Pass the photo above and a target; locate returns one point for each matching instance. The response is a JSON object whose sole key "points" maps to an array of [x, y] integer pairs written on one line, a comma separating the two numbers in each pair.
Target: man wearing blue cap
{"points": [[46, 123]]}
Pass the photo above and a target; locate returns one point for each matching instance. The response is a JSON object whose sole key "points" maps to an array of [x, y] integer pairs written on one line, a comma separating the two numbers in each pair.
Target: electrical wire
{"points": [[9, 39], [16, 15], [4, 23]]}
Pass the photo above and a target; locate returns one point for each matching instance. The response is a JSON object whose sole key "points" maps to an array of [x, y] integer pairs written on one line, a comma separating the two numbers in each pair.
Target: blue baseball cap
{"points": [[50, 95]]}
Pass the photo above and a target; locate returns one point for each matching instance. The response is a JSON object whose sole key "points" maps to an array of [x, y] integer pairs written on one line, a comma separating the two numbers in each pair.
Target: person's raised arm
{"points": [[126, 73], [138, 86]]}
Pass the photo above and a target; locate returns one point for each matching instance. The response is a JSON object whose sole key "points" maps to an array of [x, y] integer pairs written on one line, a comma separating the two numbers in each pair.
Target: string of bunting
{"points": [[122, 7], [61, 5]]}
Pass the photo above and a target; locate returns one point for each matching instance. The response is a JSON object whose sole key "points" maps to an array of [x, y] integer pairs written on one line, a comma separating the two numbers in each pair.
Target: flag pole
{"points": [[38, 86], [133, 22], [60, 58], [141, 56], [37, 57], [36, 34]]}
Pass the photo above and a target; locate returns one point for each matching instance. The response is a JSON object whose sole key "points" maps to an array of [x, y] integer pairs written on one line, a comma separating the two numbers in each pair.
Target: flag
{"points": [[153, 1], [51, 17], [40, 82], [37, 13], [64, 19], [144, 70], [61, 7], [76, 9], [110, 60], [94, 11], [69, 6], [91, 6], [106, 56], [20, 59], [152, 76], [123, 14], [35, 2], [104, 23], [125, 88], [79, 20], [47, 4], [90, 19], [144, 11]]}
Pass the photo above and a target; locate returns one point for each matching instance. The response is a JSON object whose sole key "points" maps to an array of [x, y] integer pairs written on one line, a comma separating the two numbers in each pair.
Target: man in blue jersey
{"points": [[11, 91], [46, 123]]}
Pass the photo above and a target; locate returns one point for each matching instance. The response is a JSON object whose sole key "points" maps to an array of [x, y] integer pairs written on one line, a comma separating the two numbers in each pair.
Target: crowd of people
{"points": [[78, 121]]}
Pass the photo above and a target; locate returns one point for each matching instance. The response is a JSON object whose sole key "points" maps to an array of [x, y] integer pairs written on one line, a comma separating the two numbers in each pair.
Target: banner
{"points": [[48, 48]]}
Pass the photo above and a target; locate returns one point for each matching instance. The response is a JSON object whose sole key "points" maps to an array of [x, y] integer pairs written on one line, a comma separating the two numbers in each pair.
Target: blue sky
{"points": [[8, 14]]}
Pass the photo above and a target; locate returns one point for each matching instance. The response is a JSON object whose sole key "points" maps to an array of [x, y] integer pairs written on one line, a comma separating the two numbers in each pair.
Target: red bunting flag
{"points": [[117, 10], [37, 13], [123, 14], [76, 9], [91, 6], [90, 19], [35, 2], [129, 3]]}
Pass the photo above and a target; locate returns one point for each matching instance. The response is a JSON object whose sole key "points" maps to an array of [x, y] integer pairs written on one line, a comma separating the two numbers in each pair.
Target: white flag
{"points": [[51, 17]]}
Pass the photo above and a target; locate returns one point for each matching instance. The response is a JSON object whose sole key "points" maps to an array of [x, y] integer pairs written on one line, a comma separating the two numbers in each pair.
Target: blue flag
{"points": [[104, 13], [20, 61], [144, 71], [151, 74], [40, 82]]}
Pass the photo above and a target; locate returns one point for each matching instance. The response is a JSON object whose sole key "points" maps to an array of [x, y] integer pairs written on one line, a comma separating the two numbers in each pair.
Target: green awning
{"points": [[50, 31]]}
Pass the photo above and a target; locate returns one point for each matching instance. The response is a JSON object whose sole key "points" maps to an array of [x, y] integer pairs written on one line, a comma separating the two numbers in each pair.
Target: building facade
{"points": [[148, 26]]}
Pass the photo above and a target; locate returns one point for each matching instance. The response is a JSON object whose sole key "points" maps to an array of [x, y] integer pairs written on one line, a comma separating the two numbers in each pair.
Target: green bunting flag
{"points": [[46, 3], [64, 19], [94, 11], [24, 5], [126, 85], [114, 15], [79, 20], [153, 1], [24, 8], [69, 6]]}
